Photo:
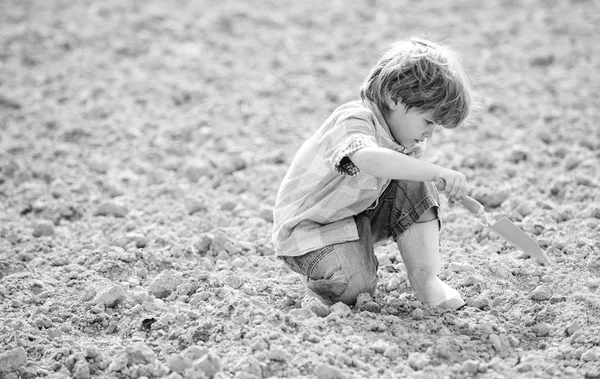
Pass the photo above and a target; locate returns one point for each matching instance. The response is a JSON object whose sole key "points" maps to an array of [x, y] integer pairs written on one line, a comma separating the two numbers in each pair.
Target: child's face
{"points": [[409, 128]]}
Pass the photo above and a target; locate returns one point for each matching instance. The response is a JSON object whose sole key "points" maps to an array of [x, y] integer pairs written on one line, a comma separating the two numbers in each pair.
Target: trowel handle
{"points": [[468, 202]]}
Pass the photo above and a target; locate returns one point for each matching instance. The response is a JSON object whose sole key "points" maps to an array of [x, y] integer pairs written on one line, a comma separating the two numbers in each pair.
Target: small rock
{"points": [[43, 228], [12, 359], [110, 208], [110, 297], [325, 371], [541, 293], [165, 283]]}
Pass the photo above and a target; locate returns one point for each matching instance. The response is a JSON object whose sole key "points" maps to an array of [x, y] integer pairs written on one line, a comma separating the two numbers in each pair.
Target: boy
{"points": [[358, 180]]}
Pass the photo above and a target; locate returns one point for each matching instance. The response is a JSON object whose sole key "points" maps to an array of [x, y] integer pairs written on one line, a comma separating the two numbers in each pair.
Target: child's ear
{"points": [[394, 104]]}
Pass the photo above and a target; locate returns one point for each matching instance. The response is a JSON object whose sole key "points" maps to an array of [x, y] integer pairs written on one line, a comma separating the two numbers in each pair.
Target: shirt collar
{"points": [[377, 112]]}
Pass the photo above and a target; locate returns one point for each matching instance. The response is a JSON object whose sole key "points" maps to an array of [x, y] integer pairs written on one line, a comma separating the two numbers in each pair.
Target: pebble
{"points": [[110, 297], [43, 228], [12, 359], [541, 293], [325, 371], [110, 208], [165, 283]]}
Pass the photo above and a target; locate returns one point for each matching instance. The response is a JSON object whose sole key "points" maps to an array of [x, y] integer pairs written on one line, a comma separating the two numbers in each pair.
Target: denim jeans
{"points": [[342, 271]]}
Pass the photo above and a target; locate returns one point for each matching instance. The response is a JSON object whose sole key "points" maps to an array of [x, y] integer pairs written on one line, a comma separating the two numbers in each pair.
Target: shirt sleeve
{"points": [[345, 138]]}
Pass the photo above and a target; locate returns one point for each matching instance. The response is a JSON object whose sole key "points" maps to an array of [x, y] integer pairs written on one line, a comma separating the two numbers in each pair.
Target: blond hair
{"points": [[422, 75]]}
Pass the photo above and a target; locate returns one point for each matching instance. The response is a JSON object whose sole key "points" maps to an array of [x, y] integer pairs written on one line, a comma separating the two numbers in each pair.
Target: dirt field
{"points": [[142, 145]]}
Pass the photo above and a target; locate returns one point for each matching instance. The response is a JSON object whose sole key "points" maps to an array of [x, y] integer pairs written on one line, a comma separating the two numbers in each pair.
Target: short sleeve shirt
{"points": [[323, 190]]}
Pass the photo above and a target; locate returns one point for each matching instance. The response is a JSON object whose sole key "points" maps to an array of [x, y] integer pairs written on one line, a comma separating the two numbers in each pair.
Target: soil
{"points": [[141, 149]]}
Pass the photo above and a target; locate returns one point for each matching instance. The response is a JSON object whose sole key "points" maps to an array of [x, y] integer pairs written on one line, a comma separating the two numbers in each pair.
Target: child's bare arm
{"points": [[386, 163]]}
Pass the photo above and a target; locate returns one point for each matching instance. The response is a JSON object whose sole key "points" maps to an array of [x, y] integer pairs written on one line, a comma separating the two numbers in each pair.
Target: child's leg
{"points": [[407, 212], [342, 271]]}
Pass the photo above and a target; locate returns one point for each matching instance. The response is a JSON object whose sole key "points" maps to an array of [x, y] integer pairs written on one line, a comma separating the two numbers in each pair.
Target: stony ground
{"points": [[142, 145]]}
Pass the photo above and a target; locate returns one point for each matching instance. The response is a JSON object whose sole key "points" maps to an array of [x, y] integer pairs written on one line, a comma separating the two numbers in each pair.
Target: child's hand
{"points": [[453, 183]]}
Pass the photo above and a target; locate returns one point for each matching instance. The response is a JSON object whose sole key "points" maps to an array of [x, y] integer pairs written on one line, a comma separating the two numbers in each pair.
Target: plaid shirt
{"points": [[323, 190]]}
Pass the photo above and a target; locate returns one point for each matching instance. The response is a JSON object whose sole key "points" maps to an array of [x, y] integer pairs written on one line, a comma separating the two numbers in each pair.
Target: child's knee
{"points": [[357, 287]]}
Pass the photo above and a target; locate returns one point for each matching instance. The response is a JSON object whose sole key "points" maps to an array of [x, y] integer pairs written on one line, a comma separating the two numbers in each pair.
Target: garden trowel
{"points": [[506, 229]]}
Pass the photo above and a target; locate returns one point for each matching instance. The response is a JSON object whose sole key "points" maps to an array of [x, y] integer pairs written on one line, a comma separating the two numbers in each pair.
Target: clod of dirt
{"points": [[110, 208], [491, 198], [11, 360], [110, 297], [165, 283], [365, 303], [325, 371], [541, 293], [43, 228]]}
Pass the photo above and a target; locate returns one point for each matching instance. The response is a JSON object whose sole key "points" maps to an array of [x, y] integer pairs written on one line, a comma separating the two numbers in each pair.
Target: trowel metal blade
{"points": [[520, 239]]}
